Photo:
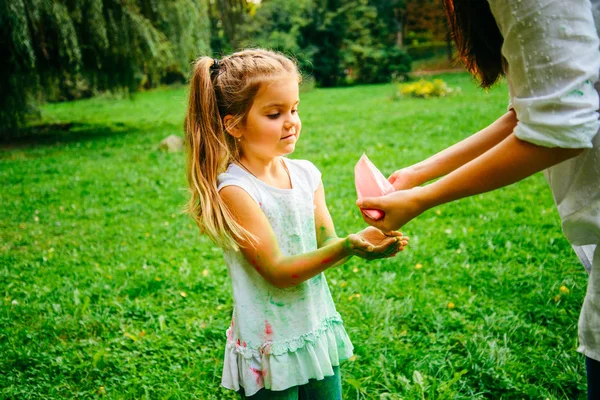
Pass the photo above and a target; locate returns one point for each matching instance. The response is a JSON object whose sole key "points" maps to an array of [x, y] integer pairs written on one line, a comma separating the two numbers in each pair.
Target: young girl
{"points": [[268, 213]]}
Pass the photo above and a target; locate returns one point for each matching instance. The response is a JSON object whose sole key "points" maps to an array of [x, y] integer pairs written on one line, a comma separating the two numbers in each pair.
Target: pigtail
{"points": [[208, 154]]}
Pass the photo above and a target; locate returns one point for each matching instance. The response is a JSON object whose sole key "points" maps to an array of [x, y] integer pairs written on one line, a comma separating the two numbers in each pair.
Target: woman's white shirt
{"points": [[551, 47]]}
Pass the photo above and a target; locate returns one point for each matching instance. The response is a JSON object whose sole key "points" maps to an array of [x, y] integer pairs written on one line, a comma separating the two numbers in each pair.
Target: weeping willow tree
{"points": [[62, 48]]}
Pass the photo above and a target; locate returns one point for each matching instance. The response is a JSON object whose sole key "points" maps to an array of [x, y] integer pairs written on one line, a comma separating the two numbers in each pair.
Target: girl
{"points": [[268, 213]]}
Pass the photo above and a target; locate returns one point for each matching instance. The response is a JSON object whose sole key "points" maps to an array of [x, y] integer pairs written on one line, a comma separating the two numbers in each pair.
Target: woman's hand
{"points": [[404, 178], [371, 243], [399, 208]]}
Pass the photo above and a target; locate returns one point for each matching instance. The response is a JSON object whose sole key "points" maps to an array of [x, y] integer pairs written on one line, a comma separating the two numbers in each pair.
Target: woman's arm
{"points": [[286, 271], [455, 156], [508, 162]]}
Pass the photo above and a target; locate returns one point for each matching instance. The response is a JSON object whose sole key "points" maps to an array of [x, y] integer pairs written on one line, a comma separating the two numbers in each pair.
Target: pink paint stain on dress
{"points": [[258, 375], [266, 348], [268, 330], [230, 331], [256, 267]]}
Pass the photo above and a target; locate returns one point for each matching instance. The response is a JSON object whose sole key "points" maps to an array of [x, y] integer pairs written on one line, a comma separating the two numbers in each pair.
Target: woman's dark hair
{"points": [[478, 39]]}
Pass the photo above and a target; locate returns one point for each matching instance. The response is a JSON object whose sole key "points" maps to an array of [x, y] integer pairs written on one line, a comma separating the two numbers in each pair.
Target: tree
{"points": [[371, 53], [63, 47], [323, 37], [392, 15], [227, 18], [336, 41], [185, 23], [278, 25], [426, 16]]}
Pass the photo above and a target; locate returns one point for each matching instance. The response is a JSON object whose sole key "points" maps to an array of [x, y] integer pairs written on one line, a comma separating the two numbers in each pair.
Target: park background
{"points": [[109, 291]]}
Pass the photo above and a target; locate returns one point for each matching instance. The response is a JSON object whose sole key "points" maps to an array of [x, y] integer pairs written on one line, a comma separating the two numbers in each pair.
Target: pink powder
{"points": [[370, 182]]}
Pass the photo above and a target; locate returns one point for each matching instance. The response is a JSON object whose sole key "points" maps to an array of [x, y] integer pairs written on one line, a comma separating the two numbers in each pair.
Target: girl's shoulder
{"points": [[306, 170], [232, 172], [236, 176], [232, 175]]}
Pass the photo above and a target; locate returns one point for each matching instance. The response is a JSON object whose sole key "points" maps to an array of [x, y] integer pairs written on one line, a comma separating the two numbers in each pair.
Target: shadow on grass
{"points": [[62, 133]]}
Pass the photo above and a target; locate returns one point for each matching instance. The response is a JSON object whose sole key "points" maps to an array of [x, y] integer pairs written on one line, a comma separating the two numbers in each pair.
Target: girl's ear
{"points": [[232, 129]]}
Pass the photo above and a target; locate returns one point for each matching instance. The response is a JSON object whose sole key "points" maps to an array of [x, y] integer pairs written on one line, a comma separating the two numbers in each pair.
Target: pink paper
{"points": [[370, 182]]}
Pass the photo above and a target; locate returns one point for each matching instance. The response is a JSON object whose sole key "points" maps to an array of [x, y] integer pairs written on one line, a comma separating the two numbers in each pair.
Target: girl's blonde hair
{"points": [[219, 88]]}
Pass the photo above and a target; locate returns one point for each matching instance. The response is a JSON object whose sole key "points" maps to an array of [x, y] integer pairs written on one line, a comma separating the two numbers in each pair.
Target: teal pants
{"points": [[329, 388]]}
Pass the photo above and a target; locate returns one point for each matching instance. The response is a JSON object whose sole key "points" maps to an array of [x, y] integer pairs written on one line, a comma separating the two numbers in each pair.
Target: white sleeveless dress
{"points": [[280, 338]]}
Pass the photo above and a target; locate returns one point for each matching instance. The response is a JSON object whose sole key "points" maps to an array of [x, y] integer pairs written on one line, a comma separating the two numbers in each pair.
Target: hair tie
{"points": [[215, 66]]}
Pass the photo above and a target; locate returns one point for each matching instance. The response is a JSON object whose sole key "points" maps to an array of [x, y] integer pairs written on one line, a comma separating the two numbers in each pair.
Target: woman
{"points": [[548, 52]]}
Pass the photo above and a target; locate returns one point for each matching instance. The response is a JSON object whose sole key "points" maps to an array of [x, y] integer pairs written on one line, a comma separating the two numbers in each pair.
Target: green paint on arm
{"points": [[323, 236]]}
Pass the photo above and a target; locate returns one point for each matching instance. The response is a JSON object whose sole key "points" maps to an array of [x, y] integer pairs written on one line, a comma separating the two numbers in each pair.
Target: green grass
{"points": [[108, 290]]}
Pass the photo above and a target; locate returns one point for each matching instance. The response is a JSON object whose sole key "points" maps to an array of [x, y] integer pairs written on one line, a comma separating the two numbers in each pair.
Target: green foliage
{"points": [[67, 49], [428, 50], [186, 26], [336, 41], [278, 25], [227, 20], [323, 36], [370, 52], [106, 288], [355, 42], [373, 65]]}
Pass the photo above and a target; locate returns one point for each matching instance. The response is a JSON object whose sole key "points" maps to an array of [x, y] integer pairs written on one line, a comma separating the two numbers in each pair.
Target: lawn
{"points": [[108, 290]]}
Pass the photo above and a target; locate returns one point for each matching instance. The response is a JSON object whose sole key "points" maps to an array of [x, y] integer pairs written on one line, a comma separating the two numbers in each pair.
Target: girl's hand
{"points": [[371, 243], [399, 208]]}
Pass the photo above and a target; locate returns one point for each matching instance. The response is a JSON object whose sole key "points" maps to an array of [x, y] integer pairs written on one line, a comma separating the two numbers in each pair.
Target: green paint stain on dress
{"points": [[276, 303]]}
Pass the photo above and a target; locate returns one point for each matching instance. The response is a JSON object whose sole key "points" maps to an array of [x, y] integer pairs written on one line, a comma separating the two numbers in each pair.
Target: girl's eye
{"points": [[295, 111], [273, 116]]}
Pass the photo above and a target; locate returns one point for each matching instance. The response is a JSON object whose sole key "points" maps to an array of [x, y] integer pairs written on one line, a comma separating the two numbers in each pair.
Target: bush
{"points": [[421, 51], [369, 65], [425, 89]]}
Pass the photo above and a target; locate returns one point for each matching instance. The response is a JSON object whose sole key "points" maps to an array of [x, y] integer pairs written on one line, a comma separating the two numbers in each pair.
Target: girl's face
{"points": [[272, 126]]}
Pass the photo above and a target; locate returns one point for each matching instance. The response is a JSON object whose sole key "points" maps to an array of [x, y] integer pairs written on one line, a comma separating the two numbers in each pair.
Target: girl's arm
{"points": [[286, 271], [324, 226], [455, 156], [508, 162]]}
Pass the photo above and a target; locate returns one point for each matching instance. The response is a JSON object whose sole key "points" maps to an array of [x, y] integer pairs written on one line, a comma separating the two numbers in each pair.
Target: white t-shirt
{"points": [[551, 47], [281, 338]]}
